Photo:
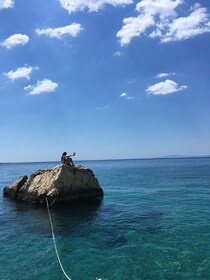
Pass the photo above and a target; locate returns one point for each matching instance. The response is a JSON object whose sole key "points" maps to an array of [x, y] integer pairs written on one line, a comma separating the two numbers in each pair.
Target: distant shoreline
{"points": [[87, 160]]}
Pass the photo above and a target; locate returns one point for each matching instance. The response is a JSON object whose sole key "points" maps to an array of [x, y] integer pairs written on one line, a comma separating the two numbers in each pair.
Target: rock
{"points": [[58, 184], [13, 189]]}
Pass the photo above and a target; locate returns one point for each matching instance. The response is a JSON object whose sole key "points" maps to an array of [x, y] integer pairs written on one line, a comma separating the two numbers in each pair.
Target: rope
{"points": [[53, 201], [53, 236]]}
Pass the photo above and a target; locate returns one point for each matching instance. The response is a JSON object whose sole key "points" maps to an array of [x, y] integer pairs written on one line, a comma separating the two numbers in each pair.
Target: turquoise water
{"points": [[153, 223]]}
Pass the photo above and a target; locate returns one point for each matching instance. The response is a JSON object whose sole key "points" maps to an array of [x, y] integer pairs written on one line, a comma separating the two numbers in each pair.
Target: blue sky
{"points": [[104, 78]]}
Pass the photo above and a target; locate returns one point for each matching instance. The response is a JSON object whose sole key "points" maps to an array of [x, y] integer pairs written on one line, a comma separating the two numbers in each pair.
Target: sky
{"points": [[107, 79]]}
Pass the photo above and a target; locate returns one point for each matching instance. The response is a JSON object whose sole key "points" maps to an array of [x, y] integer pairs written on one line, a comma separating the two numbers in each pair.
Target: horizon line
{"points": [[113, 159]]}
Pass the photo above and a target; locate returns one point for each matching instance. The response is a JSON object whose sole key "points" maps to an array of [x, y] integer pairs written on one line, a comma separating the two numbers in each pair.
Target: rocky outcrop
{"points": [[58, 184]]}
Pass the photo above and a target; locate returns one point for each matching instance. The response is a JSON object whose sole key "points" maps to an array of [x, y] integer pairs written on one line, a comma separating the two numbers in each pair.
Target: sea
{"points": [[152, 224]]}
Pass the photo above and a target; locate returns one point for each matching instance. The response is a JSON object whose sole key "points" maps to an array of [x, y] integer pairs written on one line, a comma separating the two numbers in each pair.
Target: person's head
{"points": [[64, 153]]}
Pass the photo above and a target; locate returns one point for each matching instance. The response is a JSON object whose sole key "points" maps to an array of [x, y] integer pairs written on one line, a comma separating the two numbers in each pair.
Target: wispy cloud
{"points": [[132, 81], [105, 107], [58, 32], [91, 5], [164, 88], [126, 96], [117, 53], [41, 86], [159, 18], [21, 72], [163, 75], [14, 40], [4, 4]]}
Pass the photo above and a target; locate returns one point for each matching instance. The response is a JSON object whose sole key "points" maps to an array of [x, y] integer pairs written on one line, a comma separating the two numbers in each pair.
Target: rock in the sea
{"points": [[58, 184]]}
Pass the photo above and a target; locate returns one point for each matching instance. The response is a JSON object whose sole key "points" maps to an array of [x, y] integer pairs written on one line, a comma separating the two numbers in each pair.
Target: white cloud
{"points": [[182, 28], [164, 8], [4, 4], [134, 27], [160, 18], [21, 72], [124, 95], [14, 40], [162, 75], [41, 86], [163, 88], [72, 30], [92, 5]]}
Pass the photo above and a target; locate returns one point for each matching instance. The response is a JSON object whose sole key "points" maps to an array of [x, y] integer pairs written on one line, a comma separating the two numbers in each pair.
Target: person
{"points": [[66, 159]]}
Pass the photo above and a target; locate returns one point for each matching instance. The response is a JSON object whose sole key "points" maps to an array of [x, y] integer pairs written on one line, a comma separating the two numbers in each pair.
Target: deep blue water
{"points": [[153, 224]]}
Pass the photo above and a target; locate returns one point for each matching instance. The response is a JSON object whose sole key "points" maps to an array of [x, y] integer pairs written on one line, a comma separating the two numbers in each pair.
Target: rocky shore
{"points": [[59, 184]]}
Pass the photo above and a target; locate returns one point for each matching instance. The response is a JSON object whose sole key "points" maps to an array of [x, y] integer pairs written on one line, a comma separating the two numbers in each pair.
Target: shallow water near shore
{"points": [[153, 223]]}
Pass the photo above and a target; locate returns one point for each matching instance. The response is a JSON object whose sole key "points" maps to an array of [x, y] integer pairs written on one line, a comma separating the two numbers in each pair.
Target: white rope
{"points": [[53, 236]]}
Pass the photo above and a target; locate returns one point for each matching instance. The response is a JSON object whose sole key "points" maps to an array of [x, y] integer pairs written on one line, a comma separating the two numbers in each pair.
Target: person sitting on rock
{"points": [[66, 159]]}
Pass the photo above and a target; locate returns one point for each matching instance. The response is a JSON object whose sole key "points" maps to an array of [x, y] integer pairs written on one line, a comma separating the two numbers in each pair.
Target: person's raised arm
{"points": [[72, 155]]}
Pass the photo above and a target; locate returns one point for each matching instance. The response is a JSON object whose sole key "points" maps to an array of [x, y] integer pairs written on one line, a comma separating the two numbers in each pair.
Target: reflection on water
{"points": [[67, 218]]}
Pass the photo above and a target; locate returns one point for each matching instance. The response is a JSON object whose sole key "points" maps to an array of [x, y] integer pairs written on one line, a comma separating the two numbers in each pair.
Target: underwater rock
{"points": [[58, 184]]}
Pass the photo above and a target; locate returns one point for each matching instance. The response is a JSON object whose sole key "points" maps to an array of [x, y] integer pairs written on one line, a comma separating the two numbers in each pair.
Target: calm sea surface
{"points": [[153, 224]]}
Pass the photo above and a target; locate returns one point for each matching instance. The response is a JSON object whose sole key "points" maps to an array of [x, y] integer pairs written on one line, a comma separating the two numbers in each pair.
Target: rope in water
{"points": [[53, 236]]}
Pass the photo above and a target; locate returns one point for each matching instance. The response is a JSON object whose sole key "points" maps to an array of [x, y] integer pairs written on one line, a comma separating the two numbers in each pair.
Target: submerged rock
{"points": [[58, 184]]}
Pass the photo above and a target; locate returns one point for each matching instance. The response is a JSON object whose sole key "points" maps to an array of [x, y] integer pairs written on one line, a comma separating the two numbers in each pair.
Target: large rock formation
{"points": [[58, 184]]}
